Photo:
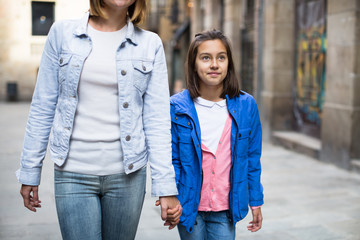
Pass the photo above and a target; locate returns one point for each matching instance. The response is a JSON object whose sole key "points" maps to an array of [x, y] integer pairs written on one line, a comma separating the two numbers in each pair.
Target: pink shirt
{"points": [[216, 173]]}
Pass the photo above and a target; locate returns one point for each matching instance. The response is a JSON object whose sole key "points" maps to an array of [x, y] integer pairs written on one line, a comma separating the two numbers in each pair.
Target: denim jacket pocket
{"points": [[63, 66], [142, 72]]}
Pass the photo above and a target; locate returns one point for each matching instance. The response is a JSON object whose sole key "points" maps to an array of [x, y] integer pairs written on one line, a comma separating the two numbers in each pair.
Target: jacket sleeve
{"points": [[41, 114], [254, 154], [156, 119]]}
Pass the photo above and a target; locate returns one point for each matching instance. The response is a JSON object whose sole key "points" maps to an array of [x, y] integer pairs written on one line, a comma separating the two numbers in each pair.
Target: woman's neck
{"points": [[115, 20]]}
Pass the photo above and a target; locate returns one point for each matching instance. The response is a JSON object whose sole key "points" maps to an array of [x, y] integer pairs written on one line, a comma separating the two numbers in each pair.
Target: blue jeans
{"points": [[99, 207], [210, 226]]}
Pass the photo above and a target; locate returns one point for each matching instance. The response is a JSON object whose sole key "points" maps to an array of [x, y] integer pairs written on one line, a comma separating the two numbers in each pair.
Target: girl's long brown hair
{"points": [[231, 84]]}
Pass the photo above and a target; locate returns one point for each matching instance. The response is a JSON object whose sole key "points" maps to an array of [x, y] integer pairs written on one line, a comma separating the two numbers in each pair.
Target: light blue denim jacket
{"points": [[143, 103]]}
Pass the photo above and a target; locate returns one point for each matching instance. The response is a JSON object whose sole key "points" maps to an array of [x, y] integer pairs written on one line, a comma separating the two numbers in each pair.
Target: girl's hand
{"points": [[171, 210], [256, 223], [30, 196]]}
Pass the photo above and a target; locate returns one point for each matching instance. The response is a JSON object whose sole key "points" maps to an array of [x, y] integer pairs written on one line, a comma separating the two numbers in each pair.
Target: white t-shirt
{"points": [[95, 146], [212, 117]]}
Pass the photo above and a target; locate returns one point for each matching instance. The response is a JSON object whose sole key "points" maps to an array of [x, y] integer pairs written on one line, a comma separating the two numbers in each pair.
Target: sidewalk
{"points": [[304, 199]]}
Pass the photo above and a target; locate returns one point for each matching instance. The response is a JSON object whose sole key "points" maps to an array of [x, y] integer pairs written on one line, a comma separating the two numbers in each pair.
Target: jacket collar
{"points": [[81, 30], [183, 104]]}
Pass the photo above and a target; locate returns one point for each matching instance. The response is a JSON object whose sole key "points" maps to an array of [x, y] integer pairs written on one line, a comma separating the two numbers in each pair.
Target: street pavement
{"points": [[305, 199]]}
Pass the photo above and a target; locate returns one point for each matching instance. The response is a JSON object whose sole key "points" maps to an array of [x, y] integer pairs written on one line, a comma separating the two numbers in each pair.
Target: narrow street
{"points": [[304, 199]]}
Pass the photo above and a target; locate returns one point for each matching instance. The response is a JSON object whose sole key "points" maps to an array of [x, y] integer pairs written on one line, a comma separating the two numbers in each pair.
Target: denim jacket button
{"points": [[131, 166], [123, 72], [127, 138], [125, 105], [61, 60], [144, 68], [122, 45]]}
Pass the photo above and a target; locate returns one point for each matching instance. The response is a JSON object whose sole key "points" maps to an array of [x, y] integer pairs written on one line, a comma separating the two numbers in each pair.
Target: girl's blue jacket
{"points": [[246, 188]]}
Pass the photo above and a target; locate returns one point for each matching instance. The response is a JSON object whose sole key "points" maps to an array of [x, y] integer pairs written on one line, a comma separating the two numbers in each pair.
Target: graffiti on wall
{"points": [[310, 61]]}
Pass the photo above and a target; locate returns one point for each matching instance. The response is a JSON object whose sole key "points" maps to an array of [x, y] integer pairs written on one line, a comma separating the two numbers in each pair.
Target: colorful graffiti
{"points": [[310, 64]]}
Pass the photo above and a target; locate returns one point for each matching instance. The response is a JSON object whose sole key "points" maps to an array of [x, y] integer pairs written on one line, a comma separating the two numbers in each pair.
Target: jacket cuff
{"points": [[29, 176], [256, 203], [164, 187]]}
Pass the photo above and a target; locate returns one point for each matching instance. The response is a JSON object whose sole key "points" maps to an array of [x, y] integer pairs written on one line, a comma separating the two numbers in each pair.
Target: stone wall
{"points": [[340, 126], [278, 65]]}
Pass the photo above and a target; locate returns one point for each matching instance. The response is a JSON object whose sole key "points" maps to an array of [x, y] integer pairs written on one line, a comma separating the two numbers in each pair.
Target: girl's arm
{"points": [[254, 153]]}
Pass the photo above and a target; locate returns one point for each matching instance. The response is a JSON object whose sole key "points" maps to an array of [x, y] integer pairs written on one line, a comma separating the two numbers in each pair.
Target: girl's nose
{"points": [[214, 64]]}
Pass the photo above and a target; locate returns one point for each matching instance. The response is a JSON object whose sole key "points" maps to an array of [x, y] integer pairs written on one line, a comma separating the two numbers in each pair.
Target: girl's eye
{"points": [[205, 58], [222, 57]]}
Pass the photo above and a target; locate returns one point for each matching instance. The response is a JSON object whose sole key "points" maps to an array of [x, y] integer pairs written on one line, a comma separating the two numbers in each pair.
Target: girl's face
{"points": [[211, 64]]}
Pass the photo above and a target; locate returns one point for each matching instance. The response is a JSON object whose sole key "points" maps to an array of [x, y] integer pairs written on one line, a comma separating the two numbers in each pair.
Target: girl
{"points": [[102, 91], [216, 144]]}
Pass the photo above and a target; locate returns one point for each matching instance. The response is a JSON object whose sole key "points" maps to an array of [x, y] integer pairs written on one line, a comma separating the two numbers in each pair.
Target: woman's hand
{"points": [[256, 223], [171, 210], [30, 196]]}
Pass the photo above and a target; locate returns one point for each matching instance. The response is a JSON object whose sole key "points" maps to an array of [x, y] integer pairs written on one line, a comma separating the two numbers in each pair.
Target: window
{"points": [[42, 17]]}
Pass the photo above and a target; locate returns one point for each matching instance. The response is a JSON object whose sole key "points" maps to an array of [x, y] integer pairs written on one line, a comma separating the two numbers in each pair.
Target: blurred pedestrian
{"points": [[102, 92], [216, 144]]}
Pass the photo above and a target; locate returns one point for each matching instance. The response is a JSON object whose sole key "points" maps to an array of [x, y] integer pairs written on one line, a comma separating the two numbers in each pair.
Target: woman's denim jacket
{"points": [[143, 103], [246, 134]]}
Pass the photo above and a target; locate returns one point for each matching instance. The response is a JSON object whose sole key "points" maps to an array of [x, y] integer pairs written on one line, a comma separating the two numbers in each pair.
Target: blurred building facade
{"points": [[311, 77], [299, 58], [24, 25], [171, 20]]}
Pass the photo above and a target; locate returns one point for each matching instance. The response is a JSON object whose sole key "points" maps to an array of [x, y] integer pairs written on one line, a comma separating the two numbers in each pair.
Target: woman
{"points": [[216, 144], [102, 92]]}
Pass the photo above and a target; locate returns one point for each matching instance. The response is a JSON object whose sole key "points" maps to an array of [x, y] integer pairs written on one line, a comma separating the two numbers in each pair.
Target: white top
{"points": [[95, 146], [212, 117]]}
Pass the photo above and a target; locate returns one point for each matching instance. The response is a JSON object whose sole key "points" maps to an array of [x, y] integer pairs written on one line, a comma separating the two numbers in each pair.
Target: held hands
{"points": [[30, 196], [170, 210], [256, 223]]}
